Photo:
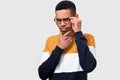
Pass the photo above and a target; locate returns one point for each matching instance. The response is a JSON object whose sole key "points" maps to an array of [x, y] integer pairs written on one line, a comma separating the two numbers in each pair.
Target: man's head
{"points": [[65, 4], [63, 11]]}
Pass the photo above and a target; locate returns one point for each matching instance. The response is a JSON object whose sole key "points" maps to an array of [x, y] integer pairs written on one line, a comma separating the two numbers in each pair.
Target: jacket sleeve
{"points": [[47, 68], [86, 58]]}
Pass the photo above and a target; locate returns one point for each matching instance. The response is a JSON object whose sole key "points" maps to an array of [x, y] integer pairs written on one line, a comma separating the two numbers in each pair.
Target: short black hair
{"points": [[66, 4]]}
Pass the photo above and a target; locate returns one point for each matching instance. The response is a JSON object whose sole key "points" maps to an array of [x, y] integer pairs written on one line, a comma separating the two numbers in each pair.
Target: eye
{"points": [[66, 19], [58, 20]]}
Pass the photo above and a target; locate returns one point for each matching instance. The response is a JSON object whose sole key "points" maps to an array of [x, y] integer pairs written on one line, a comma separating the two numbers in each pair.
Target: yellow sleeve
{"points": [[46, 48]]}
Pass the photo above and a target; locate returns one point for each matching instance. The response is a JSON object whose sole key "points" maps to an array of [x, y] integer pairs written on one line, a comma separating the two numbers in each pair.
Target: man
{"points": [[70, 54]]}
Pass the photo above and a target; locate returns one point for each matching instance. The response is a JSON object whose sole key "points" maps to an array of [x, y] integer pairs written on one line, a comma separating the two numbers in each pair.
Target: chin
{"points": [[63, 32]]}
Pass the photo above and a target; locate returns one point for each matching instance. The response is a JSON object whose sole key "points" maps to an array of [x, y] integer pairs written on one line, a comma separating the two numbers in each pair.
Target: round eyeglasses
{"points": [[59, 21]]}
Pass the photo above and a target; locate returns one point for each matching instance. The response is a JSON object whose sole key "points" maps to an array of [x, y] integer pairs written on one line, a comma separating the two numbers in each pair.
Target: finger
{"points": [[75, 17], [69, 40]]}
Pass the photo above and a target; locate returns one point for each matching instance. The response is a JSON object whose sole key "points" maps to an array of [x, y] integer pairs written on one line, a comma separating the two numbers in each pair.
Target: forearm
{"points": [[87, 60], [47, 68]]}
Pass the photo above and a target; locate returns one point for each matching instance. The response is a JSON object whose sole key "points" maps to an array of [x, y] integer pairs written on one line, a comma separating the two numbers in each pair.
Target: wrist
{"points": [[60, 47], [76, 31]]}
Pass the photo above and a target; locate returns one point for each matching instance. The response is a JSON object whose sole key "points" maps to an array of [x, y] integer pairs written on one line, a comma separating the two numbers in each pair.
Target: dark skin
{"points": [[67, 30]]}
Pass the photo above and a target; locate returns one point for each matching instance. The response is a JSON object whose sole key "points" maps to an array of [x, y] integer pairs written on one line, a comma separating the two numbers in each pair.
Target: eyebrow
{"points": [[63, 18]]}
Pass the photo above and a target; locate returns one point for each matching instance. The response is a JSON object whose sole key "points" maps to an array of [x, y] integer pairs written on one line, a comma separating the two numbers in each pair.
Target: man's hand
{"points": [[76, 23], [65, 40]]}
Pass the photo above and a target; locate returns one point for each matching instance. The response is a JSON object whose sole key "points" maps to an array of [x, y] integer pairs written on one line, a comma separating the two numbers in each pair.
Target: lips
{"points": [[64, 29]]}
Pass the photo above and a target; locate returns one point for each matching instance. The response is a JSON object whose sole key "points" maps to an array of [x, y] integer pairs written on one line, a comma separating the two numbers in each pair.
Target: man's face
{"points": [[62, 20]]}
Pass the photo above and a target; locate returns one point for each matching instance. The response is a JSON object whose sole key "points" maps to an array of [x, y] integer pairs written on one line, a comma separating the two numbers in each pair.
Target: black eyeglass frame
{"points": [[65, 20]]}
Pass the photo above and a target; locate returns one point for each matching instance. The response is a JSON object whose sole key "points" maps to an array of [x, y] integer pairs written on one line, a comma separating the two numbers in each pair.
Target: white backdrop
{"points": [[26, 24]]}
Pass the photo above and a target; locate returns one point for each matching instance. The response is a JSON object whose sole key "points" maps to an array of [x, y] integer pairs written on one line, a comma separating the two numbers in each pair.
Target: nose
{"points": [[62, 23]]}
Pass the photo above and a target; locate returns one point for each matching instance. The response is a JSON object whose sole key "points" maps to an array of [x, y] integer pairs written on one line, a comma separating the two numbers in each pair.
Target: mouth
{"points": [[64, 29]]}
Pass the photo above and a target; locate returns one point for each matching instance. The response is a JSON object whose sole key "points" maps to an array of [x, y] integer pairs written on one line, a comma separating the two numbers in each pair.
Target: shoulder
{"points": [[90, 39], [51, 42], [52, 38], [88, 36]]}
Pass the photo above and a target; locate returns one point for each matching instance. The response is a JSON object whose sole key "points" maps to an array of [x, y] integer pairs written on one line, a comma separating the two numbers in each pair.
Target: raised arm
{"points": [[86, 57]]}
